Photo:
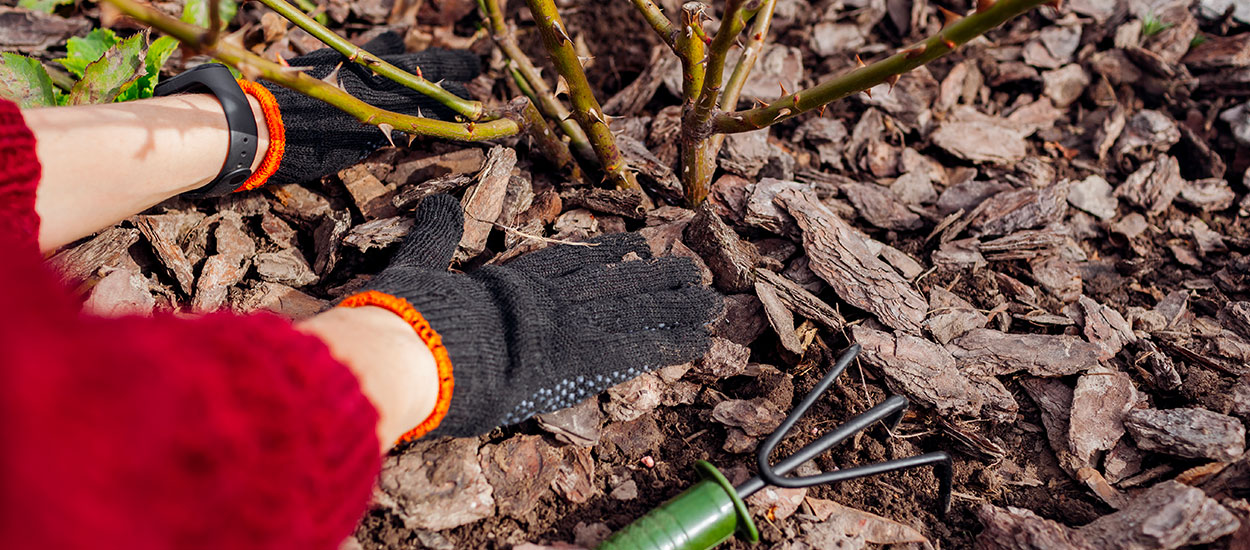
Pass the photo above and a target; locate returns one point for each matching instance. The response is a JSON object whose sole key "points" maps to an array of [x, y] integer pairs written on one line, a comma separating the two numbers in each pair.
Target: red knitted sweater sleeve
{"points": [[217, 432]]}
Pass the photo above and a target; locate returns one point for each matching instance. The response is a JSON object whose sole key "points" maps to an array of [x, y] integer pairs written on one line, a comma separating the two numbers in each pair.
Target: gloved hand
{"points": [[544, 331], [320, 139]]}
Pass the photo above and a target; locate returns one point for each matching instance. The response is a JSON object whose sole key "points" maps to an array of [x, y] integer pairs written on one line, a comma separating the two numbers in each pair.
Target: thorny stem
{"points": [[864, 78], [539, 93], [698, 160], [691, 48], [751, 52], [546, 141], [658, 21], [252, 65], [586, 108], [471, 110]]}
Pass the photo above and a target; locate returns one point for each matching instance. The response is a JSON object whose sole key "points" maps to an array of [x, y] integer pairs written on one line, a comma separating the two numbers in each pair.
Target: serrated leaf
{"points": [[81, 52], [25, 82], [46, 6], [195, 12], [104, 79]]}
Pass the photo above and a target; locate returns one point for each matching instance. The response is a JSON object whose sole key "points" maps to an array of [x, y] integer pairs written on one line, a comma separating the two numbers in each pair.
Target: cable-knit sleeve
{"points": [[222, 431]]}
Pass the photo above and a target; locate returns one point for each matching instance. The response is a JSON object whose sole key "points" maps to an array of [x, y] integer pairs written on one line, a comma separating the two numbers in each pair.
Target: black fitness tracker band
{"points": [[216, 78]]}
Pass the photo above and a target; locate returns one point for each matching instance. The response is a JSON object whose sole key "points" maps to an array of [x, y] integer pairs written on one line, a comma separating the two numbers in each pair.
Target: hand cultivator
{"points": [[711, 511]]}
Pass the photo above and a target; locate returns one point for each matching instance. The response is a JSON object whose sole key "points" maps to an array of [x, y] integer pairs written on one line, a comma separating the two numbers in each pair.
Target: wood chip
{"points": [[1187, 432], [881, 207], [1101, 399], [286, 266], [999, 353], [1153, 186], [436, 485], [731, 260], [634, 398], [483, 201], [1011, 211], [845, 259], [379, 233], [1013, 528], [162, 232], [520, 471], [779, 316], [122, 292], [1054, 400], [577, 425], [81, 262], [1166, 516]]}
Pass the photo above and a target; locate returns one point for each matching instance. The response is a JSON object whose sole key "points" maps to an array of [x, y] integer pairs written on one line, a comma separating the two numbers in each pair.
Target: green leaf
{"points": [[24, 81], [195, 12], [82, 51], [104, 78], [158, 52], [46, 6]]}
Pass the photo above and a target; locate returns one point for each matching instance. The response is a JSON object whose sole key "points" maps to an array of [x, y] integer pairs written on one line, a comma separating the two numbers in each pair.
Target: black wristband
{"points": [[216, 78]]}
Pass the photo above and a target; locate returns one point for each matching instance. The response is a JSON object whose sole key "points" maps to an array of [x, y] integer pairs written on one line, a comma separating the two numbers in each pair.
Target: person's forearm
{"points": [[104, 163], [396, 370]]}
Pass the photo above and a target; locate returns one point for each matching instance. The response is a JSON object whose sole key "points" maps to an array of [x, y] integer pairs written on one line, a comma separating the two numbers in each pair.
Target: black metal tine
{"points": [[889, 411]]}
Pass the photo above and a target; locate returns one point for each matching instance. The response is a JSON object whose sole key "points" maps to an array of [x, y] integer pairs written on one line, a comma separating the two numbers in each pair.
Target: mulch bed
{"points": [[1040, 240]]}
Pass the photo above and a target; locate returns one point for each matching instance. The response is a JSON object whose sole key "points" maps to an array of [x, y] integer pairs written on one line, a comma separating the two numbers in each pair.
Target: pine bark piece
{"points": [[297, 202], [1011, 211], [520, 471], [881, 208], [1060, 277], [1235, 316], [219, 273], [483, 202], [731, 260], [577, 425], [802, 302], [851, 522], [779, 316], [1153, 186], [756, 417], [763, 211], [410, 196], [436, 485], [161, 232], [328, 240], [845, 258], [981, 138], [1101, 399], [634, 398], [1054, 400], [1187, 432], [1013, 528], [743, 321], [1025, 244], [1166, 516], [1104, 327], [1045, 355], [286, 266], [80, 262], [379, 233], [372, 197], [1220, 51], [278, 298], [625, 203], [462, 161], [951, 316], [278, 231], [575, 477], [121, 292], [722, 360], [922, 370]]}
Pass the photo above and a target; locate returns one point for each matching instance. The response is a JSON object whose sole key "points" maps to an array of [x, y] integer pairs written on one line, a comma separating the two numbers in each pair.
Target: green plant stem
{"points": [[471, 110], [691, 49], [214, 21], [658, 21], [586, 108], [546, 141], [539, 92], [864, 78], [751, 52], [698, 159], [252, 65]]}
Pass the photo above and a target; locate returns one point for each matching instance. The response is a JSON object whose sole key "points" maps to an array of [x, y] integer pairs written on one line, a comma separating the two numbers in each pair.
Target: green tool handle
{"points": [[699, 518]]}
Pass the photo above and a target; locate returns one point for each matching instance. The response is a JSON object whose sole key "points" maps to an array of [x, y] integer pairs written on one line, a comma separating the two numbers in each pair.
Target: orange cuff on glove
{"points": [[277, 135], [446, 383]]}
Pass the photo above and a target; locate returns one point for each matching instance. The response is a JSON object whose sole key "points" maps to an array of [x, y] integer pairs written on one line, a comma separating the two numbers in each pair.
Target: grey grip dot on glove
{"points": [[321, 140], [551, 328]]}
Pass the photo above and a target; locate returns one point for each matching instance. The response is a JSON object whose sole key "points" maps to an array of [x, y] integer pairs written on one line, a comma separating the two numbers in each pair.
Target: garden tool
{"points": [[713, 510]]}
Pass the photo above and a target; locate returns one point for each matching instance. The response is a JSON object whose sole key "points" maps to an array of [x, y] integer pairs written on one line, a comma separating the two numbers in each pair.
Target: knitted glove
{"points": [[542, 332], [309, 138]]}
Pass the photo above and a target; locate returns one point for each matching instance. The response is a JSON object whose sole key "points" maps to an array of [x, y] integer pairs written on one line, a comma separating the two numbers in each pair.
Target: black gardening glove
{"points": [[551, 328], [322, 140]]}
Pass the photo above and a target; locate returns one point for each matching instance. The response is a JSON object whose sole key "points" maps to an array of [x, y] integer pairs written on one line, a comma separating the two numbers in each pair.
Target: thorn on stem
{"points": [[386, 131], [913, 53], [859, 63], [821, 112], [983, 5], [949, 43], [948, 16], [893, 79], [783, 88]]}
